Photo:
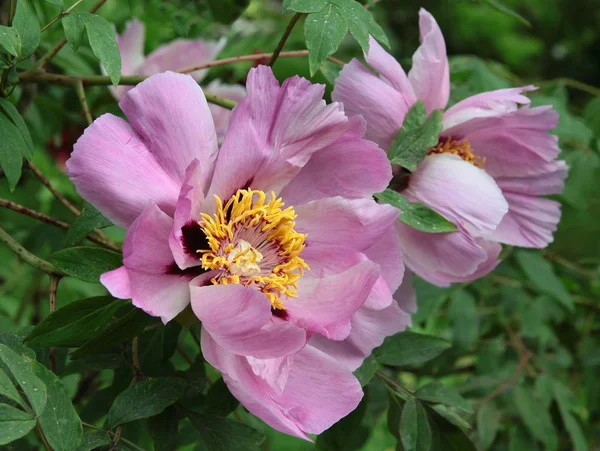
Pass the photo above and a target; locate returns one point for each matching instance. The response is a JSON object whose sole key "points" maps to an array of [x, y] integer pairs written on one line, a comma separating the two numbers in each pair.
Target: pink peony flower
{"points": [[488, 172], [177, 55], [274, 239]]}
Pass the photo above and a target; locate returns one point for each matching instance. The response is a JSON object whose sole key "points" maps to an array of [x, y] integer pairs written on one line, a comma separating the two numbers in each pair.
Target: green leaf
{"points": [[447, 436], [11, 112], [27, 24], [101, 37], [10, 40], [542, 276], [58, 3], [330, 71], [418, 134], [348, 434], [219, 400], [74, 26], [362, 24], [366, 371], [20, 367], [409, 348], [14, 424], [12, 147], [75, 323], [86, 262], [564, 399], [498, 6], [221, 434], [453, 415], [304, 6], [437, 392], [465, 320], [145, 399], [538, 421], [59, 420], [416, 215], [164, 429], [8, 390], [88, 220], [94, 440], [227, 11], [323, 32], [488, 424], [415, 432], [130, 325]]}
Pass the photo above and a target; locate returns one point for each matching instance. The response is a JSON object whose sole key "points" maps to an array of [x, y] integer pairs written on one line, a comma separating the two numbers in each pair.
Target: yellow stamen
{"points": [[460, 148], [249, 213]]}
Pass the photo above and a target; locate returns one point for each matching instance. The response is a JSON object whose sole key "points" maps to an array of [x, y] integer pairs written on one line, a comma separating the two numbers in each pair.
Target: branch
{"points": [[133, 445], [27, 256], [242, 58], [513, 379], [54, 279], [284, 38], [60, 16], [52, 53], [62, 199], [80, 91], [55, 222]]}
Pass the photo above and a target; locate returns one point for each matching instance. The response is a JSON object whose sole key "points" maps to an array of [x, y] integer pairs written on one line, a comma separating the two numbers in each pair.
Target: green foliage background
{"points": [[522, 372]]}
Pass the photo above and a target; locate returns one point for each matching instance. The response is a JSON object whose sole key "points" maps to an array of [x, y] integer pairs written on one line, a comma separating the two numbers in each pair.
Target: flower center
{"points": [[461, 148], [253, 243]]}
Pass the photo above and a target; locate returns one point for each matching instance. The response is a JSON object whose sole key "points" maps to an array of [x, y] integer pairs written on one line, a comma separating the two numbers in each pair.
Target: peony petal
{"points": [[131, 48], [530, 221], [187, 237], [356, 223], [387, 253], [279, 128], [459, 191], [487, 104], [364, 93], [549, 178], [369, 329], [117, 282], [430, 75], [182, 54], [350, 167], [390, 70], [239, 318], [222, 115], [492, 251], [440, 257], [249, 388], [112, 169], [325, 305], [170, 113]]}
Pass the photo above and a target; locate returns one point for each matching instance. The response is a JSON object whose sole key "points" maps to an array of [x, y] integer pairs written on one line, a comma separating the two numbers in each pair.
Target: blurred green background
{"points": [[526, 339]]}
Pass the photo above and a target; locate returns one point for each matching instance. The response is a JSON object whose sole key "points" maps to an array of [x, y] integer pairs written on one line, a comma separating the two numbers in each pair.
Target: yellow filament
{"points": [[460, 148], [249, 209]]}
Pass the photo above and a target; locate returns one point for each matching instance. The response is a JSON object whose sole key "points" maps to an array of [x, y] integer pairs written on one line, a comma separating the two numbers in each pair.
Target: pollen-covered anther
{"points": [[253, 243], [461, 148]]}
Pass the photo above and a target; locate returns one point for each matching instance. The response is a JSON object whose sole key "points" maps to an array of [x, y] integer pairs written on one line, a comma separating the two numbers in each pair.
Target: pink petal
{"points": [[429, 75], [325, 305], [186, 237], [486, 104], [170, 113], [390, 70], [387, 253], [356, 223], [131, 48], [514, 144], [369, 329], [239, 318], [492, 251], [440, 258], [181, 54], [549, 178], [112, 169], [351, 167], [459, 191], [255, 393], [364, 93], [117, 282], [157, 286], [530, 221], [279, 128], [222, 115], [274, 372]]}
